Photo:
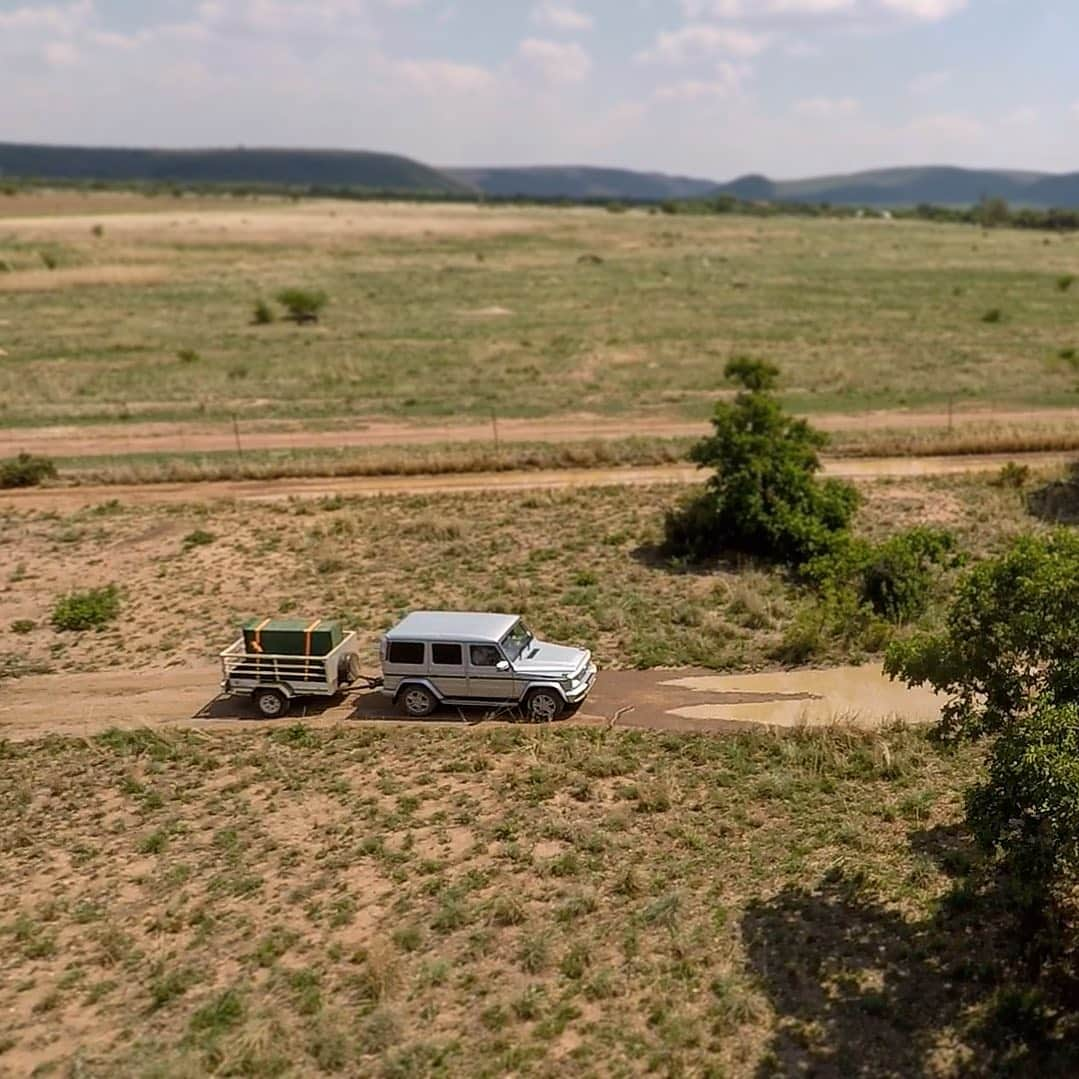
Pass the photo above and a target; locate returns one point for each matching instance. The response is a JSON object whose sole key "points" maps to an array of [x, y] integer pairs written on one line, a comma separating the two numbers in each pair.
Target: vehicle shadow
{"points": [[860, 989], [225, 706]]}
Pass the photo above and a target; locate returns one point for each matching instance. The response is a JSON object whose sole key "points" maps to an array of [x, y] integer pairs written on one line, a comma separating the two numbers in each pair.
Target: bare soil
{"points": [[156, 437], [82, 705], [65, 499]]}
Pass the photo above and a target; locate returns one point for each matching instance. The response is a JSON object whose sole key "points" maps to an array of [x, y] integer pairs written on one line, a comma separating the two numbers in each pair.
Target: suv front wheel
{"points": [[544, 705]]}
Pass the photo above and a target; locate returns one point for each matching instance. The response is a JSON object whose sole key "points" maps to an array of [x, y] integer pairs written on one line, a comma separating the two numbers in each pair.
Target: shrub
{"points": [[1006, 658], [1012, 475], [23, 625], [897, 579], [98, 231], [263, 314], [1065, 281], [188, 355], [302, 305], [49, 259], [198, 538], [91, 609], [994, 314], [26, 470], [763, 499]]}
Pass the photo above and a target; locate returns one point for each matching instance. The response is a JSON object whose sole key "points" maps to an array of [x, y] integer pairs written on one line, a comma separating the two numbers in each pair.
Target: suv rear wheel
{"points": [[418, 701], [544, 705]]}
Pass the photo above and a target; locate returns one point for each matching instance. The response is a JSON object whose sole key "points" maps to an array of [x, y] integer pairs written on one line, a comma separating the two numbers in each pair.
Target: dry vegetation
{"points": [[581, 565], [430, 902], [440, 311]]}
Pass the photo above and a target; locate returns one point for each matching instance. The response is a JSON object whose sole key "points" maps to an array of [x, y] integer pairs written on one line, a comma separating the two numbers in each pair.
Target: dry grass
{"points": [[579, 564], [430, 902], [858, 316], [81, 277]]}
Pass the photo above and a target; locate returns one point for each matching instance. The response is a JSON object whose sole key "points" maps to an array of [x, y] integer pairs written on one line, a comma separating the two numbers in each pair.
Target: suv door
{"points": [[485, 681], [447, 669]]}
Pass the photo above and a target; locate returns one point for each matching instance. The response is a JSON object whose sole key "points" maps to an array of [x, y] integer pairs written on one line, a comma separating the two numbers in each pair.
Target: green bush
{"points": [[1006, 658], [764, 499], [23, 625], [302, 305], [994, 314], [1065, 281], [26, 470], [263, 314], [198, 538], [91, 609], [188, 355]]}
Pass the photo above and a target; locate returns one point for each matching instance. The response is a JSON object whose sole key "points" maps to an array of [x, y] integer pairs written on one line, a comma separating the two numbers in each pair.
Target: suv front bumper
{"points": [[577, 693]]}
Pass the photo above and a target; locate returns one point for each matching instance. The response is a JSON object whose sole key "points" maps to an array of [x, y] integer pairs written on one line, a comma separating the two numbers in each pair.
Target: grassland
{"points": [[580, 564], [403, 903], [464, 311]]}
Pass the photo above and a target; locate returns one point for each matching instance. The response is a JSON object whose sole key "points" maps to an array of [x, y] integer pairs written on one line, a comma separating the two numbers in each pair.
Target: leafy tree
{"points": [[764, 498], [1008, 659], [993, 211]]}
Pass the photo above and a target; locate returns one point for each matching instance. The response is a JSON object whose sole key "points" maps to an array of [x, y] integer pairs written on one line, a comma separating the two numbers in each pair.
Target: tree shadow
{"points": [[860, 989]]}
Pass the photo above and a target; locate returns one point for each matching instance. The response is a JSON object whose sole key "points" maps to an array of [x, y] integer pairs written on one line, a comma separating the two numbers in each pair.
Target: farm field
{"points": [[440, 312]]}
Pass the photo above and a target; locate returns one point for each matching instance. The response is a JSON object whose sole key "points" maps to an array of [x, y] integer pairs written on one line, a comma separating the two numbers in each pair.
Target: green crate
{"points": [[291, 636]]}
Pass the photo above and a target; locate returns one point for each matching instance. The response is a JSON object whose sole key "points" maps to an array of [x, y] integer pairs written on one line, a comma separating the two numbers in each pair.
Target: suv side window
{"points": [[410, 653], [447, 655], [485, 655]]}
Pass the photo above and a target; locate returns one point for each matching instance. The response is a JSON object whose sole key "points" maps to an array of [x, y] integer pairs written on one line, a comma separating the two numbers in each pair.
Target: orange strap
{"points": [[256, 644], [307, 635]]}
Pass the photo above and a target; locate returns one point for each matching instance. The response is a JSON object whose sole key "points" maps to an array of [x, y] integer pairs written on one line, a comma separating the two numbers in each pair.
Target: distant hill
{"points": [[581, 182], [941, 185], [300, 168]]}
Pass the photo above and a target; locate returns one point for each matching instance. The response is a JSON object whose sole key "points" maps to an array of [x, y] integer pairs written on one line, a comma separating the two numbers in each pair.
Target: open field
{"points": [[424, 902], [580, 564], [461, 311]]}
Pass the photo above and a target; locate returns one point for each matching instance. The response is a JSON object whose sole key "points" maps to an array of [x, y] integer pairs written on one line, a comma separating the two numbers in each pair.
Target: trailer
{"points": [[299, 666]]}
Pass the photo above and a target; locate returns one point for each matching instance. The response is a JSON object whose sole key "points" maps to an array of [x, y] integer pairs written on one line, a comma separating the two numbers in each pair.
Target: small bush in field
{"points": [[263, 313], [91, 609], [49, 259], [1013, 475], [1065, 281], [198, 538], [26, 470], [188, 355], [993, 315], [23, 625], [302, 305]]}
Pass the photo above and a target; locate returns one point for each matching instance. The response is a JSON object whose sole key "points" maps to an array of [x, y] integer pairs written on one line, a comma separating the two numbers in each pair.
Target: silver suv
{"points": [[446, 657]]}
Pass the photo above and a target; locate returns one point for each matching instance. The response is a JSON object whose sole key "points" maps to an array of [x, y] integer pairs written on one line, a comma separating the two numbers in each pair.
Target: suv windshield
{"points": [[516, 641]]}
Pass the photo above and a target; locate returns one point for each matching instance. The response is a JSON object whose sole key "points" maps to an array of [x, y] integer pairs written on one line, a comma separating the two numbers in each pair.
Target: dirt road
{"points": [[80, 705], [149, 438], [73, 498]]}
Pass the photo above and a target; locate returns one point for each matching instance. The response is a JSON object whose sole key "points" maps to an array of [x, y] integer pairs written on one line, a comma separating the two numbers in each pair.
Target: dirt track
{"points": [[150, 437], [80, 705], [71, 498]]}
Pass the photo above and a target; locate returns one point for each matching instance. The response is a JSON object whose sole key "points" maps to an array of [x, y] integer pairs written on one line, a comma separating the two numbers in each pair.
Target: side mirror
{"points": [[502, 665]]}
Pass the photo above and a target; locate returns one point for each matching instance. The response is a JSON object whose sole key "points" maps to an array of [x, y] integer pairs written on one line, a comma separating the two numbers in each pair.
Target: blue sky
{"points": [[714, 88]]}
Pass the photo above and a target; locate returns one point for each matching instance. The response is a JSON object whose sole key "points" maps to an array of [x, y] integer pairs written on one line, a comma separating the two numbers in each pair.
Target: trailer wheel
{"points": [[418, 702], [544, 705], [271, 703], [350, 670]]}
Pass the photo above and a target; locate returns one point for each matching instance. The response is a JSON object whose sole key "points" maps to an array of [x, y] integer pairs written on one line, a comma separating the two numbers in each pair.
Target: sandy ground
{"points": [[80, 705], [151, 437], [65, 499]]}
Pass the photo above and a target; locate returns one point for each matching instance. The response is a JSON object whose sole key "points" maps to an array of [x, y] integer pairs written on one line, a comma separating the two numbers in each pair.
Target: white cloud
{"points": [[1021, 116], [439, 76], [930, 82], [926, 10], [729, 81], [58, 18], [702, 41], [554, 61], [557, 16], [946, 129], [827, 107], [61, 53], [284, 18]]}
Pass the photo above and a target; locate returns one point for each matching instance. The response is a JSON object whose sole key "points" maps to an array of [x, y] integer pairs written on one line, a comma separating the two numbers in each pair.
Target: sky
{"points": [[708, 88]]}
